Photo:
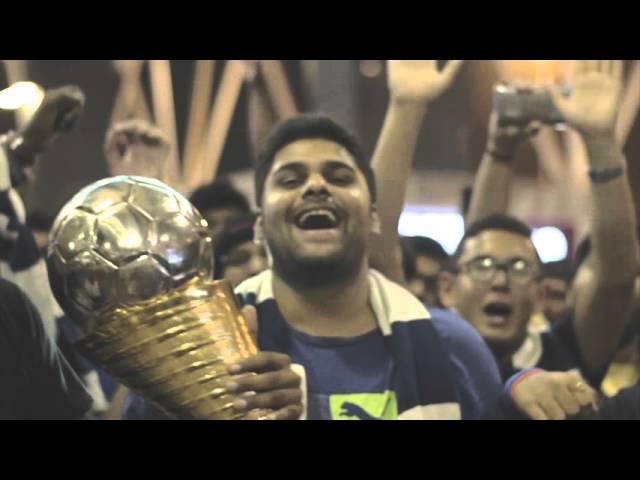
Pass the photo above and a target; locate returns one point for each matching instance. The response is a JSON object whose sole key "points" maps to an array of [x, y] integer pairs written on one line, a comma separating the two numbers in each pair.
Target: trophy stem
{"points": [[174, 350]]}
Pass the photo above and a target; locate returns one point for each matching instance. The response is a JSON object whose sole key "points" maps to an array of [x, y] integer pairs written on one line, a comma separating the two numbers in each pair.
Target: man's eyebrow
{"points": [[291, 167], [335, 165]]}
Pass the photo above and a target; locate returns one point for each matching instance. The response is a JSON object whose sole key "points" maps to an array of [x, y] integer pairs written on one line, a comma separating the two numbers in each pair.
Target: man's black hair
{"points": [[220, 194], [561, 270], [304, 127], [496, 221], [428, 247], [236, 231]]}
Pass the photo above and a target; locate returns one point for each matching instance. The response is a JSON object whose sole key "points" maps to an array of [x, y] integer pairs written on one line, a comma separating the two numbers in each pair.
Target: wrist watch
{"points": [[605, 175]]}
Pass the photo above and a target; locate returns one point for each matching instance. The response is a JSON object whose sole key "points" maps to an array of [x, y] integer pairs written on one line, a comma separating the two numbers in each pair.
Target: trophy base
{"points": [[174, 350]]}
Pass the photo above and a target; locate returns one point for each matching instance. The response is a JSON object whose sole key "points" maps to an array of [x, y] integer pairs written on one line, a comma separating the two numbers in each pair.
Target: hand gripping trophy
{"points": [[130, 262]]}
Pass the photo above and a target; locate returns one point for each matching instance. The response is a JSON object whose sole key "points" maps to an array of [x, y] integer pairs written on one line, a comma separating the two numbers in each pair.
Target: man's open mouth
{"points": [[317, 219], [498, 312]]}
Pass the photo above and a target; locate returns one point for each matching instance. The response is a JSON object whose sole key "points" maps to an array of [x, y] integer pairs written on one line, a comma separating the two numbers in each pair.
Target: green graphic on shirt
{"points": [[364, 406]]}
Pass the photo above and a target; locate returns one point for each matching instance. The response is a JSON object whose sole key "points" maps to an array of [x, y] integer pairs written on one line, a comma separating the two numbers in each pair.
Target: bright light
{"points": [[551, 244], [535, 72], [444, 226], [21, 95], [131, 239], [447, 228]]}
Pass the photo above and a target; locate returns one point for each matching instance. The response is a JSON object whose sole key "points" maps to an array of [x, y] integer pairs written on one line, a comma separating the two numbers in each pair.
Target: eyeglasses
{"points": [[483, 269]]}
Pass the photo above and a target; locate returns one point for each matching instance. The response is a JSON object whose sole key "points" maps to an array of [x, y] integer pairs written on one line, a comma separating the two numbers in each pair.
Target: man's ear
{"points": [[376, 224], [258, 230]]}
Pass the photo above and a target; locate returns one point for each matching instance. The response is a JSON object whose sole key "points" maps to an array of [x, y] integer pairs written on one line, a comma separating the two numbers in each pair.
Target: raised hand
{"points": [[419, 80]]}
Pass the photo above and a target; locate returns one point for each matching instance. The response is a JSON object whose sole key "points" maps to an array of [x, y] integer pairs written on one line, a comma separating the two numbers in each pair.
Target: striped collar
{"points": [[389, 301]]}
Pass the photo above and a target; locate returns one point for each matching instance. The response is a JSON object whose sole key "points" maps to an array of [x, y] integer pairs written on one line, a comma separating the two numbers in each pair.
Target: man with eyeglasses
{"points": [[495, 287], [602, 288]]}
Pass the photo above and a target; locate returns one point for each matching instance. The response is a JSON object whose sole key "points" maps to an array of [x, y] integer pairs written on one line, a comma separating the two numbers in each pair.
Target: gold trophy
{"points": [[130, 262]]}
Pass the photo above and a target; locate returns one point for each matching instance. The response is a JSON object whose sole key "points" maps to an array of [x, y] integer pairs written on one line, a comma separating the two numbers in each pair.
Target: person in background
{"points": [[219, 202], [37, 382], [138, 148], [602, 289], [496, 285], [554, 292], [23, 241], [20, 257], [428, 259], [556, 280], [237, 256]]}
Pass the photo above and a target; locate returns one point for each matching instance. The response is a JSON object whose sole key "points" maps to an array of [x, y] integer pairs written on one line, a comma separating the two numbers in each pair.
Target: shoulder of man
{"points": [[472, 367], [393, 304], [475, 369], [464, 343], [255, 290], [455, 330], [457, 335]]}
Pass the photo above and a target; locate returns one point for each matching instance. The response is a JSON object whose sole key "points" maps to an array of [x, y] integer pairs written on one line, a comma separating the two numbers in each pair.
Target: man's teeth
{"points": [[327, 213]]}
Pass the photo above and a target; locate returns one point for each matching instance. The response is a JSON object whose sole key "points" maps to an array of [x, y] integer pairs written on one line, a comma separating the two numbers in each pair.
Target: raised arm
{"points": [[413, 85]]}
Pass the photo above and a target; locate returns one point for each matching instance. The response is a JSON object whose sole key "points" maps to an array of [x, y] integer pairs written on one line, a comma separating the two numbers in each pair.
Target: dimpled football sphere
{"points": [[122, 241]]}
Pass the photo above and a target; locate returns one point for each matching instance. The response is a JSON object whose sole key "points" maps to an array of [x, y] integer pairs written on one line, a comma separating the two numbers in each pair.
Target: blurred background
{"points": [[183, 95]]}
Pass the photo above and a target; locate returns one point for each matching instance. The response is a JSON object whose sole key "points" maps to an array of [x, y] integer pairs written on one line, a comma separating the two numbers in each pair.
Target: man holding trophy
{"points": [[130, 262], [369, 348]]}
